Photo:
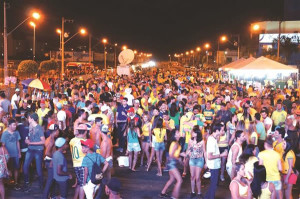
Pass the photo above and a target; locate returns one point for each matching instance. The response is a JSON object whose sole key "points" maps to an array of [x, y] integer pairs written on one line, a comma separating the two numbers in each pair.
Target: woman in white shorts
{"points": [[133, 145]]}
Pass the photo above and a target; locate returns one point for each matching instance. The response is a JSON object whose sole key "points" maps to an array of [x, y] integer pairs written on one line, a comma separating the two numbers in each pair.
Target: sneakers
{"points": [[17, 187], [26, 187], [200, 196], [222, 178], [207, 174], [163, 195], [193, 195]]}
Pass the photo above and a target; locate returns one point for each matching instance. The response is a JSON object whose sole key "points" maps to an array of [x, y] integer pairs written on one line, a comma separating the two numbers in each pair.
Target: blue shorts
{"points": [[133, 147], [277, 185], [172, 164], [186, 145], [14, 162], [196, 162], [159, 146], [146, 139], [79, 171]]}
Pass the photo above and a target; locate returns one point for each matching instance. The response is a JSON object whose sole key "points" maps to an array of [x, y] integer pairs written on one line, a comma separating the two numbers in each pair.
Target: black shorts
{"points": [[222, 149], [14, 162]]}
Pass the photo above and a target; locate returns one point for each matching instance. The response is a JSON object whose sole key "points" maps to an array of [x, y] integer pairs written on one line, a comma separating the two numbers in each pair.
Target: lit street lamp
{"points": [[34, 15], [33, 48], [222, 39], [104, 41], [124, 47], [207, 46]]}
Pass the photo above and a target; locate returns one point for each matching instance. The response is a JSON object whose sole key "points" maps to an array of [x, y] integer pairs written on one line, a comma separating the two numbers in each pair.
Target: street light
{"points": [[192, 52], [104, 41], [198, 49], [222, 39], [116, 55], [124, 47], [207, 46], [34, 15], [255, 27], [33, 48]]}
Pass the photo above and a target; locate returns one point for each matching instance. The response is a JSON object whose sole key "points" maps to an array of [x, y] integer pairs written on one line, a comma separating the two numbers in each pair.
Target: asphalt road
{"points": [[137, 185]]}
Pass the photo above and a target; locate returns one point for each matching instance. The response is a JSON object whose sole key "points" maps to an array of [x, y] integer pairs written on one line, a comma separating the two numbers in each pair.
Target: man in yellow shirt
{"points": [[279, 115], [272, 162], [77, 157], [41, 112]]}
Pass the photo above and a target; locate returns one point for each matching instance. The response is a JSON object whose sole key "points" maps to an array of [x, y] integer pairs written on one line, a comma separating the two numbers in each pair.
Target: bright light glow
{"points": [[82, 31], [116, 44], [32, 24], [255, 27], [149, 55], [187, 53], [192, 52], [104, 41], [226, 52], [198, 49], [223, 38], [124, 47], [36, 15], [148, 64], [58, 31], [207, 45], [135, 52]]}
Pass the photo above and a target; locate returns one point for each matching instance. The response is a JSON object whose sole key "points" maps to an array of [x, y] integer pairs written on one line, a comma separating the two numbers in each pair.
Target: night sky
{"points": [[157, 26]]}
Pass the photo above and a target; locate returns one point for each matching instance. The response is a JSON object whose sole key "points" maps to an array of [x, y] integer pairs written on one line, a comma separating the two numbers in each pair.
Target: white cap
{"points": [[104, 128], [227, 91], [91, 118], [104, 108], [17, 89]]}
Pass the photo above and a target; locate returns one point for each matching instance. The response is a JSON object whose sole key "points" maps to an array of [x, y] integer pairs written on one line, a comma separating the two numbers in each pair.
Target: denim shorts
{"points": [[14, 162], [159, 146], [196, 162], [277, 185], [79, 171], [146, 139], [133, 147], [172, 164]]}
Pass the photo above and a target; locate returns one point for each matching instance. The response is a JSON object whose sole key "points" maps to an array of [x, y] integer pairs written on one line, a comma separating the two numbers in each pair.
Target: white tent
{"points": [[267, 65]]}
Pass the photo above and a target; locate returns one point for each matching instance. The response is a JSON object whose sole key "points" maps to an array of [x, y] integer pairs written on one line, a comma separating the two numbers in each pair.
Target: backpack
{"points": [[96, 174]]}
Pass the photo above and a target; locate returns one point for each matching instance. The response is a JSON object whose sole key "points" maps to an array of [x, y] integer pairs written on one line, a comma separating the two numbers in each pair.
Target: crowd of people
{"points": [[184, 123]]}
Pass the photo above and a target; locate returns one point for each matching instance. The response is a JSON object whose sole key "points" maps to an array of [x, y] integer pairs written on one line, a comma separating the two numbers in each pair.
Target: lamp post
{"points": [[115, 55], [198, 49], [207, 47], [34, 15], [222, 39], [192, 53], [104, 41], [124, 47], [63, 42], [33, 48]]}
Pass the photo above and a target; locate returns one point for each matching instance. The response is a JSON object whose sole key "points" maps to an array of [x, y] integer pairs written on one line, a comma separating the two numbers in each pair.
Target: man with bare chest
{"points": [[95, 131]]}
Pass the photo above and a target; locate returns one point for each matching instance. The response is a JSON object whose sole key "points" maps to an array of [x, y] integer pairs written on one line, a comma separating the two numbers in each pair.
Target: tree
{"points": [[48, 65], [287, 47], [28, 67]]}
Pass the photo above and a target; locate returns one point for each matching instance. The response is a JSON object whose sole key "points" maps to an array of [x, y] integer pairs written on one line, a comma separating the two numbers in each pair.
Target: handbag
{"points": [[6, 173]]}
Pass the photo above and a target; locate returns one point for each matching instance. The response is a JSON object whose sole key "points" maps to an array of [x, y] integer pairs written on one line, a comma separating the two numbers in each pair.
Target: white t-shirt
{"points": [[14, 98], [61, 117], [267, 121], [212, 147], [130, 99]]}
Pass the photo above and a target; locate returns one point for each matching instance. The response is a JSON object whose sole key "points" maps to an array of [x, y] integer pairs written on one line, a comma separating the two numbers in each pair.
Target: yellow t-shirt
{"points": [[41, 114], [76, 151], [285, 163], [145, 129], [187, 129], [159, 134], [278, 117], [171, 123], [278, 147], [145, 107], [249, 166], [270, 159], [254, 135], [177, 151], [223, 138]]}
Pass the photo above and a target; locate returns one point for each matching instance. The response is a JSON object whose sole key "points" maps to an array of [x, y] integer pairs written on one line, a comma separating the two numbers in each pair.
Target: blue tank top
{"points": [[132, 137]]}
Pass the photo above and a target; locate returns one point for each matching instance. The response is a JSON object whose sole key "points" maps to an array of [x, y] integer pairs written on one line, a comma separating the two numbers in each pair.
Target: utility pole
{"points": [[62, 47], [90, 48], [116, 55], [278, 42], [5, 42]]}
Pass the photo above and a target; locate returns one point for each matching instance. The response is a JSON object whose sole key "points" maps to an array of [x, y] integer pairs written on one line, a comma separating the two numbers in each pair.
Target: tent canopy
{"points": [[265, 64], [228, 66]]}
